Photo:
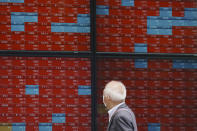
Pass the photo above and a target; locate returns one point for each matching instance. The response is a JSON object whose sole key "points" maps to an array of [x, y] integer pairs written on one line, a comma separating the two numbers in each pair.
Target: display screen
{"points": [[47, 25], [161, 92], [45, 93]]}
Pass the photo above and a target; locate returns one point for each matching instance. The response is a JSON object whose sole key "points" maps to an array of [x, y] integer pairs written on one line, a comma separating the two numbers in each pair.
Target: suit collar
{"points": [[113, 110], [121, 106]]}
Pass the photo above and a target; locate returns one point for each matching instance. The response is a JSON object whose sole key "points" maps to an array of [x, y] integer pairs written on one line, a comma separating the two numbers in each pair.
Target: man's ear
{"points": [[108, 98]]}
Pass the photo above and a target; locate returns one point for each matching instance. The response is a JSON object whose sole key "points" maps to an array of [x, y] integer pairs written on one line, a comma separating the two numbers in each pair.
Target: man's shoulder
{"points": [[126, 113]]}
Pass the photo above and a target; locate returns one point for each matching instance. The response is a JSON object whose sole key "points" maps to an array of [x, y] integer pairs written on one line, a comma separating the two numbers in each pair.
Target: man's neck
{"points": [[113, 109]]}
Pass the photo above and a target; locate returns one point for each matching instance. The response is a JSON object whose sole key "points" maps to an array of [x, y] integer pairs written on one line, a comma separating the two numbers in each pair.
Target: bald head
{"points": [[115, 90]]}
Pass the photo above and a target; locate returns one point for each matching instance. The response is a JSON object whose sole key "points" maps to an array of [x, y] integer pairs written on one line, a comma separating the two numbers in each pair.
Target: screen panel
{"points": [[45, 93], [147, 26], [50, 25], [161, 92]]}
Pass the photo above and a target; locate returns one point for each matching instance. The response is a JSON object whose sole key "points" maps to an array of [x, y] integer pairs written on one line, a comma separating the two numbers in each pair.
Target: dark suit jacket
{"points": [[122, 120]]}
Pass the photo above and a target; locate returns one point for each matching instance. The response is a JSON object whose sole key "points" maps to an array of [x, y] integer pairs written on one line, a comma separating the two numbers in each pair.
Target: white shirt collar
{"points": [[112, 110]]}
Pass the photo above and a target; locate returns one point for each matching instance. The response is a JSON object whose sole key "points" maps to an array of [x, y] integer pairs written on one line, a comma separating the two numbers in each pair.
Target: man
{"points": [[121, 117]]}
